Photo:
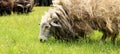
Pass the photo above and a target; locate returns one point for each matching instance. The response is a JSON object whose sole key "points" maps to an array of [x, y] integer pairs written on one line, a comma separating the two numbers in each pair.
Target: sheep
{"points": [[70, 19]]}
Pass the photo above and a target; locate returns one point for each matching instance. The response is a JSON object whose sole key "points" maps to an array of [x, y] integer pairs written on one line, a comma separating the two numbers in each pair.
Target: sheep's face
{"points": [[48, 22], [22, 6]]}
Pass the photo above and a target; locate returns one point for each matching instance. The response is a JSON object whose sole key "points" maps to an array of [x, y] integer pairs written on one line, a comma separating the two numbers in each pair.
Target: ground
{"points": [[19, 35]]}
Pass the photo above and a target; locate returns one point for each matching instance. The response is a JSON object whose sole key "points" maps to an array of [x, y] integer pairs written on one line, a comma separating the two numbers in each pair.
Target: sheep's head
{"points": [[22, 5], [48, 23]]}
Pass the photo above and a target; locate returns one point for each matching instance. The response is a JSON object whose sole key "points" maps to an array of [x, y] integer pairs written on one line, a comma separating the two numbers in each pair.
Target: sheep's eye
{"points": [[46, 27], [56, 22]]}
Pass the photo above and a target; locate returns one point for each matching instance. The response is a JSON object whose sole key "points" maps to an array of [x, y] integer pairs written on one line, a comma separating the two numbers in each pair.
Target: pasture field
{"points": [[19, 35]]}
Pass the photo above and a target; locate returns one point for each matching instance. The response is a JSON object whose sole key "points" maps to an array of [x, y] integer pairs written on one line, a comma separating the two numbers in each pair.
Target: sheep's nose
{"points": [[41, 40]]}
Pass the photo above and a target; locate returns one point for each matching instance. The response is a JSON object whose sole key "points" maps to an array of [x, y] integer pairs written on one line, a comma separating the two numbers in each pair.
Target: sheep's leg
{"points": [[8, 12], [84, 37], [104, 37], [113, 39]]}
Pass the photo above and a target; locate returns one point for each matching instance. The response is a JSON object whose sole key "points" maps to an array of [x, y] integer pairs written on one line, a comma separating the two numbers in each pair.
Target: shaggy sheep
{"points": [[23, 6], [71, 19], [6, 6]]}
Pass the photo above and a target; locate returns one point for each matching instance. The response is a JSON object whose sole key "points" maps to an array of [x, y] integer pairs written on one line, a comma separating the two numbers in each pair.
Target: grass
{"points": [[19, 35]]}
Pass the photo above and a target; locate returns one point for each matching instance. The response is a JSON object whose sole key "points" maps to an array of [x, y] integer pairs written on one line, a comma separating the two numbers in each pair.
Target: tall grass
{"points": [[19, 35]]}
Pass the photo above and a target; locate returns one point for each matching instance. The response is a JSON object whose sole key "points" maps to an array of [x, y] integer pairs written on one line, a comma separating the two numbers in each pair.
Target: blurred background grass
{"points": [[19, 35]]}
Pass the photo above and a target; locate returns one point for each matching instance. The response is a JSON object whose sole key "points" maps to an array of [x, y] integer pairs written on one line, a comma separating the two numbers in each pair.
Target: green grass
{"points": [[19, 35]]}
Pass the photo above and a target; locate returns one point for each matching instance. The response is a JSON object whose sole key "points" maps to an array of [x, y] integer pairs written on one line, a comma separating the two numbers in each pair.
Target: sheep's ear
{"points": [[55, 23]]}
